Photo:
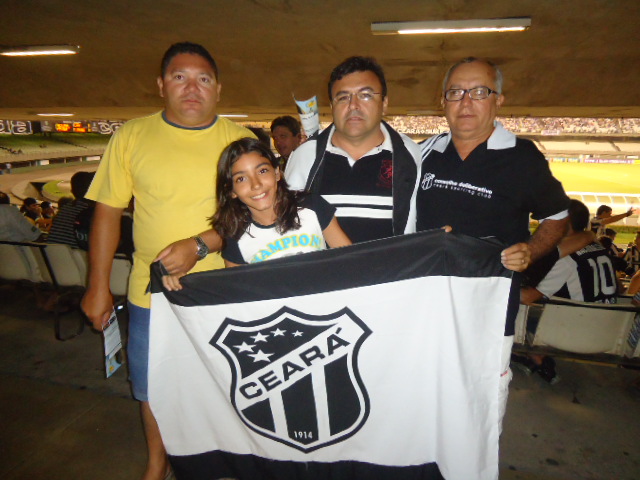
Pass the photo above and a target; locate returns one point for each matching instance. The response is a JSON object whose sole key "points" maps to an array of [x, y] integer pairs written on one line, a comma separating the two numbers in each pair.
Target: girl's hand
{"points": [[180, 256], [172, 282]]}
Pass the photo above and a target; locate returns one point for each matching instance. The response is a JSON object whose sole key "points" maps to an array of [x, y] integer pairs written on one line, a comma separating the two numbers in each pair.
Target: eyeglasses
{"points": [[345, 98], [475, 93]]}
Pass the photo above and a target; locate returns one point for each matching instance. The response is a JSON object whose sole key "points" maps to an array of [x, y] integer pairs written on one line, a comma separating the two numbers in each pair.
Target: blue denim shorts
{"points": [[138, 350]]}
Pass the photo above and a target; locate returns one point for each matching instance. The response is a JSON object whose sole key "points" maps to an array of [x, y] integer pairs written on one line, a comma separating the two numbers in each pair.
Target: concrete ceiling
{"points": [[579, 58]]}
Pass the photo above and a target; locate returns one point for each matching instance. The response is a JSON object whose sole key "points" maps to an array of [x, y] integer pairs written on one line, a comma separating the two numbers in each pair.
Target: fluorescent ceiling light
{"points": [[31, 50], [234, 115], [452, 26], [55, 114]]}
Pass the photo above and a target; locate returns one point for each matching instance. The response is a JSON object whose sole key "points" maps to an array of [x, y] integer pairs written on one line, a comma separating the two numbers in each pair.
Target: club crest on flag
{"points": [[295, 376]]}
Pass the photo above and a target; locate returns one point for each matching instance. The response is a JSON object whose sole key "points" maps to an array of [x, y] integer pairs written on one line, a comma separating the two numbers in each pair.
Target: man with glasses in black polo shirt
{"points": [[485, 182], [359, 164]]}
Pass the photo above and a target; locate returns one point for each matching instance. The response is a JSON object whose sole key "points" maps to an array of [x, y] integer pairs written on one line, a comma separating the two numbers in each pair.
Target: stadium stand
{"points": [[431, 125], [60, 269], [618, 201], [569, 146]]}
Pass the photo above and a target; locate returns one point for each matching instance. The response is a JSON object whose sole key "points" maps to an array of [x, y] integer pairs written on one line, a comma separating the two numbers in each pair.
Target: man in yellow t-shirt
{"points": [[167, 162]]}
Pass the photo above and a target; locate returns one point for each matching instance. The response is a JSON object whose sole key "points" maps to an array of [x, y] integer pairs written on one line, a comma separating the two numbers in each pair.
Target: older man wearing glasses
{"points": [[360, 164], [485, 182]]}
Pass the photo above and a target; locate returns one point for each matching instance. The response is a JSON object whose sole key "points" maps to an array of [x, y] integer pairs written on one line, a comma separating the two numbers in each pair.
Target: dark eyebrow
{"points": [[266, 162], [357, 91]]}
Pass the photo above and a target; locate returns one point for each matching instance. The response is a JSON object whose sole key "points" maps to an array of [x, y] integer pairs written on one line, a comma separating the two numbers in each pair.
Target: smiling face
{"points": [[190, 91], [255, 183], [472, 120], [357, 120]]}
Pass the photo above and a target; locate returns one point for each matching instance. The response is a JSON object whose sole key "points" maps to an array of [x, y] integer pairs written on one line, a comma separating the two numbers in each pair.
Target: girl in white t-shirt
{"points": [[259, 217]]}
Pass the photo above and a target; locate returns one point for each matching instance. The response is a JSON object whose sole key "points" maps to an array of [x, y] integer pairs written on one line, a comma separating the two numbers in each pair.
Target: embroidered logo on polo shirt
{"points": [[385, 177], [429, 180]]}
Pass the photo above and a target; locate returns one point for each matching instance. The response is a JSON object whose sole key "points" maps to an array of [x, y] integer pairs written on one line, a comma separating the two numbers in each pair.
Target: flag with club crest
{"points": [[376, 361]]}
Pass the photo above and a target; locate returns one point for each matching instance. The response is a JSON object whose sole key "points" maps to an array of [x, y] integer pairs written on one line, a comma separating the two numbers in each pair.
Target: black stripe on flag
{"points": [[432, 253]]}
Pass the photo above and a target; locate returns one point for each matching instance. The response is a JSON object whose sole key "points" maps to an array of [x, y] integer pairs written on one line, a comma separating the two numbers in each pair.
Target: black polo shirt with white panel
{"points": [[490, 194], [360, 190]]}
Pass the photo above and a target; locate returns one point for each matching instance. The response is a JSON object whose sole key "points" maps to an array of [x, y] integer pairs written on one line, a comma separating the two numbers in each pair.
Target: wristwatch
{"points": [[202, 250]]}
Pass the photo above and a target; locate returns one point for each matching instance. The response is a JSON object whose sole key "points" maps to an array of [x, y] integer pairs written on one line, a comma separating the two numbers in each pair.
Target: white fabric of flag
{"points": [[384, 353]]}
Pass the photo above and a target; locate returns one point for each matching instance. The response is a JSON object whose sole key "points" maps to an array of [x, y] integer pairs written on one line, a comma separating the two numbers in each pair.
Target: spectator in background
{"points": [[632, 256], [48, 212], [611, 233], [62, 201], [14, 227], [619, 264], [586, 275], [603, 217], [33, 212], [63, 225], [285, 132], [31, 209]]}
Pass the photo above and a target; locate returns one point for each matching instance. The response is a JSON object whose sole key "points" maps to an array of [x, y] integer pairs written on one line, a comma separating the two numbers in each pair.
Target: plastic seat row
{"points": [[582, 328], [60, 268]]}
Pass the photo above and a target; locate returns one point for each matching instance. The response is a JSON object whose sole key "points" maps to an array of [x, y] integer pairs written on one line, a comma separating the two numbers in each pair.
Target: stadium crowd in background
{"points": [[431, 125]]}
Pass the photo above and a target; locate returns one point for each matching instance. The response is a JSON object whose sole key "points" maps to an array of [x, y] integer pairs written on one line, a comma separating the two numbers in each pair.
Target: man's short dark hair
{"points": [[602, 209], [288, 122], [187, 47], [358, 64], [80, 182], [578, 215]]}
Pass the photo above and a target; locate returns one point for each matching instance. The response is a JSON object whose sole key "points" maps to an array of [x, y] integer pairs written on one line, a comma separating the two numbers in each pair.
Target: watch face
{"points": [[202, 250]]}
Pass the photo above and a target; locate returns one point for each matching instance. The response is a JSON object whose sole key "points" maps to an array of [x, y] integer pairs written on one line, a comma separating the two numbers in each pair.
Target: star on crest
{"points": [[244, 347], [259, 338], [278, 333], [260, 356]]}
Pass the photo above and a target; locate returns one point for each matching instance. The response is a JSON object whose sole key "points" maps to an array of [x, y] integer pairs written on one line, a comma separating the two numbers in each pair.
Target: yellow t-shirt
{"points": [[171, 173]]}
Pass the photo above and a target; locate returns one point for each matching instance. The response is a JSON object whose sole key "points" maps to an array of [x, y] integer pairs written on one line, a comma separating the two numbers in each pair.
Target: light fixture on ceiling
{"points": [[234, 115], [32, 50], [452, 26], [55, 114]]}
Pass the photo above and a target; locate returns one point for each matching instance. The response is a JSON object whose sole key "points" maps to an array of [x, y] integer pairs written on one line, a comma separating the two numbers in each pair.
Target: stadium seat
{"points": [[62, 270], [521, 325], [585, 328], [23, 262]]}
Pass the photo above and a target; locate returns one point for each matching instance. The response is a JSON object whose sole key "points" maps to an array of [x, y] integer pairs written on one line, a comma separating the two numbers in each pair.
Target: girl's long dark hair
{"points": [[233, 217]]}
